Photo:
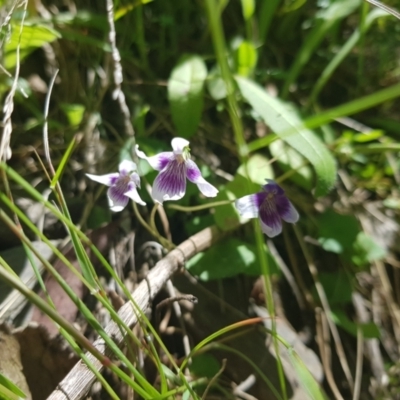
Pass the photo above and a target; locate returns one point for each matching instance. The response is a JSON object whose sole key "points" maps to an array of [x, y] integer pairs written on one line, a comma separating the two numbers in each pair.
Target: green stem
{"points": [[201, 207]]}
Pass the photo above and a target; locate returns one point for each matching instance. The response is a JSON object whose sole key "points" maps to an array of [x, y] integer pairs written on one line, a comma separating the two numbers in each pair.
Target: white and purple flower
{"points": [[271, 206], [122, 185], [175, 166]]}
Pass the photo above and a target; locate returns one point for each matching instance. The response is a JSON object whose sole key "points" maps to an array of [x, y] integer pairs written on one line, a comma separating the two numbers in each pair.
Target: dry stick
{"points": [[371, 345], [76, 384], [327, 309], [118, 94], [323, 340]]}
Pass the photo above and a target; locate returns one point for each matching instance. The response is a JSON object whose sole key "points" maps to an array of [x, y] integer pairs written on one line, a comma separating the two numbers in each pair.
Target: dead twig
{"points": [[76, 384]]}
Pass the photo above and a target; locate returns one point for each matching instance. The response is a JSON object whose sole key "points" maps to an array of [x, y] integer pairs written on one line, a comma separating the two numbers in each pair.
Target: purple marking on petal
{"points": [[163, 160], [270, 217], [193, 173], [273, 187], [113, 180], [170, 183], [117, 198], [273, 230], [286, 210]]}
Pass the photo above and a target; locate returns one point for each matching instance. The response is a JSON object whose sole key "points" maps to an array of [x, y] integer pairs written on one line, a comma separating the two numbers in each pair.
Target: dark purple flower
{"points": [[271, 206], [123, 185], [175, 166]]}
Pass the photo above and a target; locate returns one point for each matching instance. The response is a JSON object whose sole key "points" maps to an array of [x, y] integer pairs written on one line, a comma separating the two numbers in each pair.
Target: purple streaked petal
{"points": [[133, 194], [126, 167], [286, 209], [249, 206], [271, 223], [108, 179], [170, 183], [178, 144], [271, 230], [116, 198], [159, 161], [194, 175]]}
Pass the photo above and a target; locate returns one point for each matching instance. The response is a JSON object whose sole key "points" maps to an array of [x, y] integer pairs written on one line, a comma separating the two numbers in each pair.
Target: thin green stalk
{"points": [[217, 34], [201, 207]]}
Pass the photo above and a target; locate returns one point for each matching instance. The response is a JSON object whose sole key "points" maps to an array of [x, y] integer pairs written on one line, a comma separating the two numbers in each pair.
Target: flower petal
{"points": [[116, 199], [170, 183], [134, 195], [126, 167], [273, 187], [108, 179], [272, 230], [286, 209], [178, 144], [249, 206], [159, 161], [271, 223], [135, 178], [194, 175]]}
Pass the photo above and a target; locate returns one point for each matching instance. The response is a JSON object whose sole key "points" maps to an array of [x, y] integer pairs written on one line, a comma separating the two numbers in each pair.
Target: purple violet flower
{"points": [[175, 166], [123, 185], [271, 206]]}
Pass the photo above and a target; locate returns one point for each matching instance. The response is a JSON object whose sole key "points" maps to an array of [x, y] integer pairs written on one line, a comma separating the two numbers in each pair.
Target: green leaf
{"points": [[185, 94], [9, 390], [337, 233], [234, 257], [246, 58], [305, 378], [248, 7], [204, 365], [369, 329], [32, 38], [366, 250], [285, 122], [290, 160], [338, 287]]}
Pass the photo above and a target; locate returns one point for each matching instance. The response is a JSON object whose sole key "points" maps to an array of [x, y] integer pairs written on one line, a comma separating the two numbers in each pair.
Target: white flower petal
{"points": [[135, 178], [134, 195], [108, 179], [194, 175], [126, 167], [247, 206], [178, 144], [157, 162]]}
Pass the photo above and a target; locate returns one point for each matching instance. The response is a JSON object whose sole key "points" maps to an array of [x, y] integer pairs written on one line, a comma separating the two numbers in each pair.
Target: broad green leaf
{"points": [[185, 94], [246, 58], [290, 160], [32, 38], [248, 7], [305, 378], [369, 329], [285, 122], [228, 258], [337, 233], [9, 390], [337, 286], [204, 365]]}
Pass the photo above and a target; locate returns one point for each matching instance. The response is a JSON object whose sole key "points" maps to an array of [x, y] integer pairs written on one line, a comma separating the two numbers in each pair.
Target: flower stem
{"points": [[201, 207]]}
